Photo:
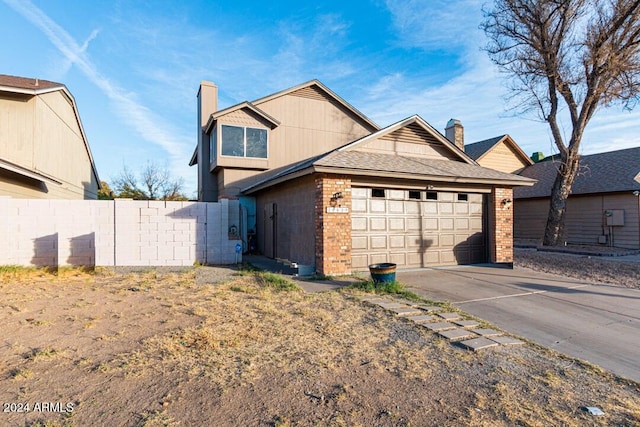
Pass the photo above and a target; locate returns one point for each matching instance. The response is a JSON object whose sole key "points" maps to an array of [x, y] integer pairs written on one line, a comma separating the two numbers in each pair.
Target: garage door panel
{"points": [[378, 242], [399, 258], [411, 207], [429, 208], [413, 241], [396, 241], [396, 194], [445, 208], [462, 208], [430, 223], [447, 257], [475, 209], [358, 205], [396, 224], [396, 206], [359, 242], [378, 224], [475, 224], [414, 224], [446, 224], [461, 223], [359, 261], [446, 197], [358, 224], [359, 193], [377, 206], [446, 241], [475, 199], [378, 258]]}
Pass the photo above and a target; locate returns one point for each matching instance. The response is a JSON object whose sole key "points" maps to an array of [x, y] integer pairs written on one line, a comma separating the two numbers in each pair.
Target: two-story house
{"points": [[322, 185]]}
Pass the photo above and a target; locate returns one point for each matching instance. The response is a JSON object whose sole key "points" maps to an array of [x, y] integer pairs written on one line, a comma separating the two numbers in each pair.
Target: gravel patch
{"points": [[605, 270]]}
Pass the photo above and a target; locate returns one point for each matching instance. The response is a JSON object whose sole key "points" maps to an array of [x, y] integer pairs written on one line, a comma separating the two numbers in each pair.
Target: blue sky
{"points": [[134, 68]]}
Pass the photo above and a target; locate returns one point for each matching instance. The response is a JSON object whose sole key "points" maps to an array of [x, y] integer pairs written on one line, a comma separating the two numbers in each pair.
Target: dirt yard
{"points": [[209, 348]]}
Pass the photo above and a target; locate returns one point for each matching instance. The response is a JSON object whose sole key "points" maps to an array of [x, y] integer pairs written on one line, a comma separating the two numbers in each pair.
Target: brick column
{"points": [[333, 229], [501, 225]]}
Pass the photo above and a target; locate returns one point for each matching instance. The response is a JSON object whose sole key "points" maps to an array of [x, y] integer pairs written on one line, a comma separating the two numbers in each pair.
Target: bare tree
{"points": [[566, 57], [155, 183]]}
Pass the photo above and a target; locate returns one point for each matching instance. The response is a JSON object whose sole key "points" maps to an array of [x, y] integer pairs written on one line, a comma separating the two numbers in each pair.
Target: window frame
{"points": [[244, 142]]}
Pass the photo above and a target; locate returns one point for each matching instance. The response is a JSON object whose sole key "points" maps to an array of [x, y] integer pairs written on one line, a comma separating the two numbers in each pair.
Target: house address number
{"points": [[337, 209]]}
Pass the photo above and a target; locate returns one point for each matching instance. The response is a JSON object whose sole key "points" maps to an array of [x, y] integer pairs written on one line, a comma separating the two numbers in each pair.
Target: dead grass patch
{"points": [[255, 350]]}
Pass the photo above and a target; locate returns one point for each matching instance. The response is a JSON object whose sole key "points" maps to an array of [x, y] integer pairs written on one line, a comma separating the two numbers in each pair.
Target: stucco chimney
{"points": [[207, 105], [207, 101], [455, 133]]}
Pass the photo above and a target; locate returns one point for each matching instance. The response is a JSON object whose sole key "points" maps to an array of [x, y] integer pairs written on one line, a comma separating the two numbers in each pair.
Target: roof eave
{"points": [[415, 177], [269, 183], [20, 170]]}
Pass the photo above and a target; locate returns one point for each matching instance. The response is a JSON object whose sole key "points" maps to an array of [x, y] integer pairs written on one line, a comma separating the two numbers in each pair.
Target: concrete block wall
{"points": [[115, 233]]}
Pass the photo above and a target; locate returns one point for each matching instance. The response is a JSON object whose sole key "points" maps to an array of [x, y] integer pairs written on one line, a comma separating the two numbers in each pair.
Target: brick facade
{"points": [[501, 225], [333, 229]]}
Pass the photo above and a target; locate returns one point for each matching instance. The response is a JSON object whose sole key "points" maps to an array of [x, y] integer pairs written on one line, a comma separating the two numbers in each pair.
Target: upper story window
{"points": [[240, 141]]}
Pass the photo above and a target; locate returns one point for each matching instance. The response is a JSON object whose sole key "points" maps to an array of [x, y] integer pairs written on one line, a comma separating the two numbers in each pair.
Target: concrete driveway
{"points": [[597, 323]]}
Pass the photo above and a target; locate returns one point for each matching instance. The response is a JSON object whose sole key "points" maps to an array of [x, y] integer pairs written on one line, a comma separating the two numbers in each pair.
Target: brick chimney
{"points": [[455, 133], [207, 105]]}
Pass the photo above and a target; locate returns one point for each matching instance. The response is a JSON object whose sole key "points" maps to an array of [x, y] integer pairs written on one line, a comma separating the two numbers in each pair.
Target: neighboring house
{"points": [[44, 152], [499, 153], [604, 205], [325, 187]]}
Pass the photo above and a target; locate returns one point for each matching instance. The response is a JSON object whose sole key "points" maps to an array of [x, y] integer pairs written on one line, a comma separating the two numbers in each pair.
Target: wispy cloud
{"points": [[144, 122]]}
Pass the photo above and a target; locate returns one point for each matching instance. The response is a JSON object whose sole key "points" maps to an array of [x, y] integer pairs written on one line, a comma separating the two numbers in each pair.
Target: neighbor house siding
{"points": [[503, 158], [530, 218], [584, 221], [42, 133]]}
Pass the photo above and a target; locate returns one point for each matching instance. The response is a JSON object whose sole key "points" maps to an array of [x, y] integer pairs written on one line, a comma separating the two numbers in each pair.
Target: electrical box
{"points": [[614, 217]]}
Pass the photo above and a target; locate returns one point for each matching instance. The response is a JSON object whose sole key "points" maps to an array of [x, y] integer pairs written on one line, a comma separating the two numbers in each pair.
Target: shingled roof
{"points": [[615, 171], [350, 160], [27, 84]]}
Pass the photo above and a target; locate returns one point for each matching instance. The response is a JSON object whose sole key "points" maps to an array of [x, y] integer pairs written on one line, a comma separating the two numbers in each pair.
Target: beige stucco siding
{"points": [[411, 141], [310, 124], [42, 134], [585, 221], [503, 158]]}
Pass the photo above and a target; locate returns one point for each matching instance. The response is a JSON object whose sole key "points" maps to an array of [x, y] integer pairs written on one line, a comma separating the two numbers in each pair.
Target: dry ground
{"points": [[161, 348]]}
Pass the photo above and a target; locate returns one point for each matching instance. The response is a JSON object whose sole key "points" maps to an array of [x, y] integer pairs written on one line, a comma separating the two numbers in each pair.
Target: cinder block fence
{"points": [[117, 232]]}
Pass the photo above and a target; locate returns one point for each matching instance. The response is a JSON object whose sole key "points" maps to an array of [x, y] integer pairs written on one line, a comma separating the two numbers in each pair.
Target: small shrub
{"points": [[276, 281], [392, 288]]}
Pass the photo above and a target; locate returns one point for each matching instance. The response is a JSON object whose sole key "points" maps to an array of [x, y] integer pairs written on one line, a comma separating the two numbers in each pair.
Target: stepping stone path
{"points": [[451, 326]]}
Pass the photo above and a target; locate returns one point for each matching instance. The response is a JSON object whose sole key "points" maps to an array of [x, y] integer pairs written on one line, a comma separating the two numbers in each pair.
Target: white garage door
{"points": [[416, 228]]}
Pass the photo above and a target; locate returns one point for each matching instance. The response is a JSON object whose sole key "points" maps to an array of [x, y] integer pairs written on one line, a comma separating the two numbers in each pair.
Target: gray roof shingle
{"points": [[402, 166], [614, 171]]}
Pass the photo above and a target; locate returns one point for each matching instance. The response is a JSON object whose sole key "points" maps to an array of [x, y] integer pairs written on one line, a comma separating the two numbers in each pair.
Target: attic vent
{"points": [[311, 92]]}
